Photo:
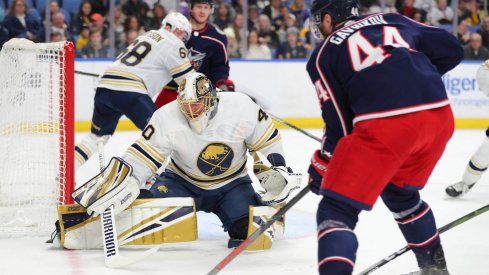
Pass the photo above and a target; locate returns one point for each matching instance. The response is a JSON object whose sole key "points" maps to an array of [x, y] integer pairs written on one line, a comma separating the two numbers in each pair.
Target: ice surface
{"points": [[466, 246]]}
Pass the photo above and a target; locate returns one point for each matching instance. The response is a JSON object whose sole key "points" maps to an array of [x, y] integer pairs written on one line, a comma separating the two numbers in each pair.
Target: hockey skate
{"points": [[438, 267], [459, 188]]}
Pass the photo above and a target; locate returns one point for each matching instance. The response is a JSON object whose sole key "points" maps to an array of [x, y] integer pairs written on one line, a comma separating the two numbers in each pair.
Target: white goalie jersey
{"points": [[148, 64], [216, 156]]}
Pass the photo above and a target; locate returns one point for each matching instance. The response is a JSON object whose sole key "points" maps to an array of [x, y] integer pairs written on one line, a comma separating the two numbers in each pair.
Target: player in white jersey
{"points": [[207, 136], [129, 83], [479, 161]]}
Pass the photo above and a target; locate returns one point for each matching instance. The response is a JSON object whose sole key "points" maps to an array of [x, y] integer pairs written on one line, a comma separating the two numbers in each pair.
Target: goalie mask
{"points": [[197, 100]]}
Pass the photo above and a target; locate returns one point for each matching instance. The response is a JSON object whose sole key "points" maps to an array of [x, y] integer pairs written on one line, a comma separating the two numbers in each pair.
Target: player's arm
{"points": [[441, 47], [274, 175], [149, 152]]}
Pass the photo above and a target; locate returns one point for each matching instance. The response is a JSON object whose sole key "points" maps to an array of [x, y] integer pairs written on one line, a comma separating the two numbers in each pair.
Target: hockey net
{"points": [[36, 134]]}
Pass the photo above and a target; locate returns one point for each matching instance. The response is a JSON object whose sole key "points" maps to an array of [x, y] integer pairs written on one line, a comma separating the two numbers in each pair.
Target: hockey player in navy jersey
{"points": [[378, 80], [207, 51]]}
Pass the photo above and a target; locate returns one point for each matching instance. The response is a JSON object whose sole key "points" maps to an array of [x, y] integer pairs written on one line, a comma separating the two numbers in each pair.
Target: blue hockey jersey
{"points": [[377, 66], [208, 52]]}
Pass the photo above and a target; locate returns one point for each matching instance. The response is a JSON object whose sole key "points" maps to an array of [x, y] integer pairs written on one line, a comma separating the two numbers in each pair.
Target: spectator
{"points": [[463, 33], [98, 6], [133, 23], [389, 6], [292, 48], [158, 13], [57, 26], [119, 20], [134, 7], [484, 31], [475, 50], [99, 24], [288, 22], [300, 11], [54, 8], [265, 31], [56, 37], [425, 5], [468, 12], [420, 16], [20, 23], [82, 17], [257, 49], [83, 37], [279, 21], [440, 14], [131, 35], [95, 47], [233, 48], [272, 10], [237, 5], [253, 14], [223, 17], [237, 29], [408, 9]]}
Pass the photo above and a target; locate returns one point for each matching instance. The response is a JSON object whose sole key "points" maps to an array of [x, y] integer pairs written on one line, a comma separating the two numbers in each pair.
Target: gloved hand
{"points": [[226, 85], [317, 170], [278, 182]]}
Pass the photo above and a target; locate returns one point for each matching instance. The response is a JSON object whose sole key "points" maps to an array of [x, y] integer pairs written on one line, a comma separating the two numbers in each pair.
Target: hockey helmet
{"points": [[339, 10], [176, 21], [197, 100]]}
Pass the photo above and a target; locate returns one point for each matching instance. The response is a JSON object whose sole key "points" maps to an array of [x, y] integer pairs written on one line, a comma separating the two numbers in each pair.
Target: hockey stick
{"points": [[259, 231], [294, 127], [440, 230], [113, 258], [87, 74]]}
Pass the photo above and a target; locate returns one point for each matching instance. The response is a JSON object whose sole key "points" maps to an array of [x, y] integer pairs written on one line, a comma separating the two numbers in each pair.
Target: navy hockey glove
{"points": [[317, 170], [226, 85]]}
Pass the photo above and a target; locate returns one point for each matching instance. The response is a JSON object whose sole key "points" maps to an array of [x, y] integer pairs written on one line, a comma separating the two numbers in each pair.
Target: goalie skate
{"points": [[458, 189]]}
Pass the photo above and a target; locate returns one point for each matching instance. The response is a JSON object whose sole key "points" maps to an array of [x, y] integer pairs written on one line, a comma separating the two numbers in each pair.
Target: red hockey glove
{"points": [[317, 170], [225, 85]]}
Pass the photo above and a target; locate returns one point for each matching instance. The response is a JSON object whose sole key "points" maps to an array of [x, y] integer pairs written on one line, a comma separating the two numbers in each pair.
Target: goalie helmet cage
{"points": [[36, 134]]}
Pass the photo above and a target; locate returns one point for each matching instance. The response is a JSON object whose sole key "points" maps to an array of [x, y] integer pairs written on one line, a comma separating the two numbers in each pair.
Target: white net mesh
{"points": [[32, 136]]}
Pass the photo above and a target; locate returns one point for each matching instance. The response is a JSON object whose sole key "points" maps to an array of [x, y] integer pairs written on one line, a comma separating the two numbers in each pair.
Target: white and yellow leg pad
{"points": [[145, 222], [258, 216]]}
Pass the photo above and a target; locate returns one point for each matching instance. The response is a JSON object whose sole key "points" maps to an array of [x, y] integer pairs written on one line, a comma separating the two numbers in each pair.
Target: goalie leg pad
{"points": [[258, 216], [145, 222]]}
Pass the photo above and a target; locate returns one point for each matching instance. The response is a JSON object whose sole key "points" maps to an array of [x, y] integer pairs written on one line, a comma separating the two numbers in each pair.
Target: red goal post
{"points": [[36, 134]]}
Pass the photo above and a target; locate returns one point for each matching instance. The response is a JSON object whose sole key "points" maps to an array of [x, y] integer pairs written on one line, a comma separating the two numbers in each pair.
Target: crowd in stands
{"points": [[274, 29]]}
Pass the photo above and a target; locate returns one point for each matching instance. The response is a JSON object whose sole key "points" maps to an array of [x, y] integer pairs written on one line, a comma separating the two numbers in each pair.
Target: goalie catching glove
{"points": [[278, 181], [113, 186]]}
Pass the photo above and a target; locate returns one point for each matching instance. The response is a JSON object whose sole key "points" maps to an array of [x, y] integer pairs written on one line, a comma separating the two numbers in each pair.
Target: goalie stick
{"points": [[113, 258], [259, 231], [442, 229]]}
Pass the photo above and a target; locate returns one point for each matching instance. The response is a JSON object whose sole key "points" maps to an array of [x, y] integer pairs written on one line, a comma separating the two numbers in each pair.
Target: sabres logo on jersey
{"points": [[196, 58], [215, 159]]}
